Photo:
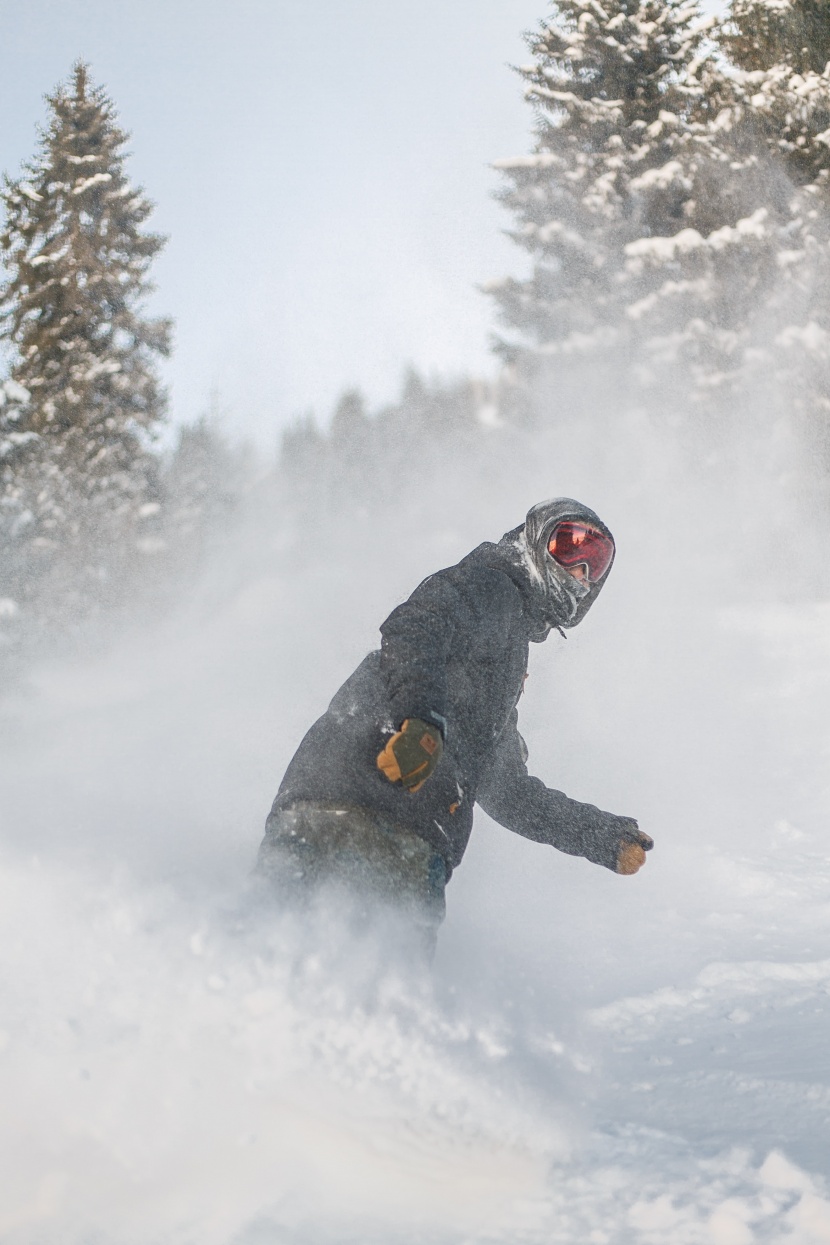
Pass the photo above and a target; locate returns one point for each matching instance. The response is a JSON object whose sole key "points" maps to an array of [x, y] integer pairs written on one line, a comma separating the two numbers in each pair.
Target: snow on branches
{"points": [[77, 471], [674, 205]]}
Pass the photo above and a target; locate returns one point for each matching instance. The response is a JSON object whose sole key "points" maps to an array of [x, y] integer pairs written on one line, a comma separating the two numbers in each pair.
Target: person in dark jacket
{"points": [[379, 796]]}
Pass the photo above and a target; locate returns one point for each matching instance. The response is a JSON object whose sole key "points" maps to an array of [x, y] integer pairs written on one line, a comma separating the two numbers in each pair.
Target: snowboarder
{"points": [[379, 796]]}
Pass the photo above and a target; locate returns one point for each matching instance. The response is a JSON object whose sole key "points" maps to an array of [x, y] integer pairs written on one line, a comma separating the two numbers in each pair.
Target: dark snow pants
{"points": [[310, 848]]}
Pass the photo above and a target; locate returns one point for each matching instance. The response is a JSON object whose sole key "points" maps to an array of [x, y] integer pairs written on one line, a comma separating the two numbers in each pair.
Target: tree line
{"points": [[90, 511], [672, 214]]}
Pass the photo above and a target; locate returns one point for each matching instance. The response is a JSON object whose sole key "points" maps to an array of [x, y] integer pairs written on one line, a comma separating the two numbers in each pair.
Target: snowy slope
{"points": [[596, 1059]]}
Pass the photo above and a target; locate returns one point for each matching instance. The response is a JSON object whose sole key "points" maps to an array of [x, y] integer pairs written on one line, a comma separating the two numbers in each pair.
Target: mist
{"points": [[592, 1057]]}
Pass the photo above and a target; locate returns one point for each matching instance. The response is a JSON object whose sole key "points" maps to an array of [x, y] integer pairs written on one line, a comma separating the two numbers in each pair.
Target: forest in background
{"points": [[673, 220]]}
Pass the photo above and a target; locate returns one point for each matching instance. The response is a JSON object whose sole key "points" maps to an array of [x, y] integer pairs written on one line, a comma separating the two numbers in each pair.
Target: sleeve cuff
{"points": [[425, 715], [437, 719]]}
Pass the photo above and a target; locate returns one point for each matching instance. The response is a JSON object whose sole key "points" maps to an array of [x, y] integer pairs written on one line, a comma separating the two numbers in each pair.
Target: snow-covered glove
{"points": [[631, 854], [412, 754]]}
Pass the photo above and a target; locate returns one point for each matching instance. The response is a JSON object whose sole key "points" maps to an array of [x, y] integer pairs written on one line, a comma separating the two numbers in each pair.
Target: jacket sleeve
{"points": [[523, 804], [415, 643], [444, 613]]}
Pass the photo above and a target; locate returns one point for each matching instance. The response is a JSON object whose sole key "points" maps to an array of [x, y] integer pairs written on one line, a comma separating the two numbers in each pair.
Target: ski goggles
{"points": [[578, 544]]}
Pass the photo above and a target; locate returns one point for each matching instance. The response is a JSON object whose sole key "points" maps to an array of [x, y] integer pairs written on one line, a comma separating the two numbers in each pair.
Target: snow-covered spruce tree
{"points": [[781, 49], [660, 227], [778, 97], [17, 451], [77, 258], [31, 485], [203, 484], [613, 85]]}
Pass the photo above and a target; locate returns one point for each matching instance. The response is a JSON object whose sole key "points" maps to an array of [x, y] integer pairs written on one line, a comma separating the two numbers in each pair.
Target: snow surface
{"points": [[596, 1060]]}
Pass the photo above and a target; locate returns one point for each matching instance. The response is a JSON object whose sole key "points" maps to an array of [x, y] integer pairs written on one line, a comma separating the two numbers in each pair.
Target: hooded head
{"points": [[559, 598]]}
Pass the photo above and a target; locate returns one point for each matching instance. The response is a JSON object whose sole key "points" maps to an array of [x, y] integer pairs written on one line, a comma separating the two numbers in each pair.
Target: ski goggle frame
{"points": [[578, 544]]}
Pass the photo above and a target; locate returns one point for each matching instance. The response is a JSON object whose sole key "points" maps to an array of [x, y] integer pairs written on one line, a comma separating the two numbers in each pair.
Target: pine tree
{"points": [[782, 90], [778, 97], [669, 250], [202, 486], [351, 434], [17, 451], [795, 33], [613, 85], [77, 259]]}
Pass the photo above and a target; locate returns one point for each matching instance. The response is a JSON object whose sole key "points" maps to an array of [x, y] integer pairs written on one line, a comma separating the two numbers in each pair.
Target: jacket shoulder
{"points": [[488, 586], [472, 586]]}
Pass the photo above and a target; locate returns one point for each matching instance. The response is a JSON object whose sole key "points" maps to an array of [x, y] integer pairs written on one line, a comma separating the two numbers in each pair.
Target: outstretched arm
{"points": [[526, 806]]}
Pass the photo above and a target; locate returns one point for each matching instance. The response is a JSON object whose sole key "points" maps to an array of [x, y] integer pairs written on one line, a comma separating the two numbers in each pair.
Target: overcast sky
{"points": [[322, 173]]}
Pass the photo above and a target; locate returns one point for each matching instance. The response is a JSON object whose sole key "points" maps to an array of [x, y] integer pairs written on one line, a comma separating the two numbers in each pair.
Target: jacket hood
{"points": [[551, 596]]}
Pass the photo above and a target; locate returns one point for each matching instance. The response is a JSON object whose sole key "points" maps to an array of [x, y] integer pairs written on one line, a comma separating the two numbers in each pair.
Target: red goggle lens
{"points": [[572, 544]]}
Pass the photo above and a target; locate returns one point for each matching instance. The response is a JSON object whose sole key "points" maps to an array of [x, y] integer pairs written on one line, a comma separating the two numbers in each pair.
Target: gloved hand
{"points": [[631, 854], [412, 754]]}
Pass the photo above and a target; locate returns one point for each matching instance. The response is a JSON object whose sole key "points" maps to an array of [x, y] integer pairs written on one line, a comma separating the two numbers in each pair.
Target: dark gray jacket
{"points": [[457, 651]]}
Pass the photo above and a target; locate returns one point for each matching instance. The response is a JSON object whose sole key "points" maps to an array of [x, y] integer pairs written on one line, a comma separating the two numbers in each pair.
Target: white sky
{"points": [[321, 169]]}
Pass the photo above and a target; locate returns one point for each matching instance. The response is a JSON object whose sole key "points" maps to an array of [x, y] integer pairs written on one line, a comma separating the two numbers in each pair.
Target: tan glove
{"points": [[631, 855], [411, 755]]}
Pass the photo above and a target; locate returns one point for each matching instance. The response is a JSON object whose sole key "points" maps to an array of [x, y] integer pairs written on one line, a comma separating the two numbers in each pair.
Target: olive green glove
{"points": [[412, 754], [631, 854]]}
